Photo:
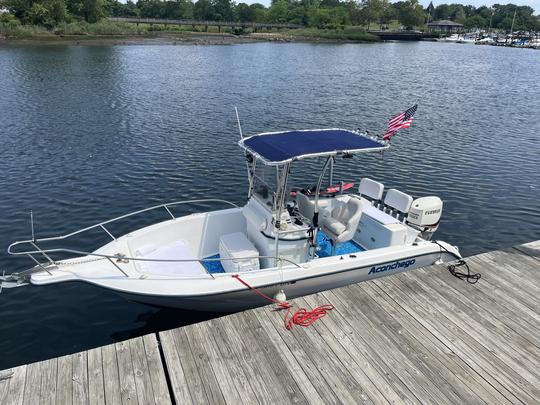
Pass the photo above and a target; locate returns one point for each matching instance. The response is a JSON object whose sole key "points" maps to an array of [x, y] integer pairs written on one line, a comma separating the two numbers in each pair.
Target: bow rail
{"points": [[36, 250]]}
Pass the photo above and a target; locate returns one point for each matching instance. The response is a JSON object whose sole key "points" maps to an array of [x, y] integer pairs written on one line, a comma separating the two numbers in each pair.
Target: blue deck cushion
{"points": [[281, 147]]}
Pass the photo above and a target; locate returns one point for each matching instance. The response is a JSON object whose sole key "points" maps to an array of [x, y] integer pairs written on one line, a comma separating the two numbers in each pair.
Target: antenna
{"points": [[32, 225], [238, 121]]}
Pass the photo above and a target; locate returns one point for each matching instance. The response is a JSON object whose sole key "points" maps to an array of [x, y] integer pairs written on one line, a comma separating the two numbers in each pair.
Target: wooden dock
{"points": [[418, 337]]}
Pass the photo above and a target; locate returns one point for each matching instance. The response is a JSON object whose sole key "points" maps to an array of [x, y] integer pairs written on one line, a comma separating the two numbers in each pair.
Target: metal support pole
{"points": [[32, 225], [117, 266], [315, 221], [280, 203], [38, 263], [106, 230], [169, 211], [331, 178]]}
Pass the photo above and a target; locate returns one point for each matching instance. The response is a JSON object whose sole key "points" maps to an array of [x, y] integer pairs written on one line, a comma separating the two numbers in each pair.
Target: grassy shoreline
{"points": [[121, 33]]}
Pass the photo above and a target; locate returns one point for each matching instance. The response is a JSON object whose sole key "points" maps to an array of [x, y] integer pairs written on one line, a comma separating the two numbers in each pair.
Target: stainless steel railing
{"points": [[46, 252]]}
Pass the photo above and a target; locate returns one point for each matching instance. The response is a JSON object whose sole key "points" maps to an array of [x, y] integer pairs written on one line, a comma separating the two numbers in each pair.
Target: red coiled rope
{"points": [[302, 317]]}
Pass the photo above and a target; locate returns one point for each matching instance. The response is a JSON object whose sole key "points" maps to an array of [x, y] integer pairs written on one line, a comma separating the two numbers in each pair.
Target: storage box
{"points": [[237, 247], [372, 234]]}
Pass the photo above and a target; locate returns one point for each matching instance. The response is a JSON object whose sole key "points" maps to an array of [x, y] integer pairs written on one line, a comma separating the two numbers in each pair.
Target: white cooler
{"points": [[237, 246]]}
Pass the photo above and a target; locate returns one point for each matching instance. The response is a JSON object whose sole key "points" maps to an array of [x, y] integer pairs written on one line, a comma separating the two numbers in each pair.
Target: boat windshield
{"points": [[265, 185]]}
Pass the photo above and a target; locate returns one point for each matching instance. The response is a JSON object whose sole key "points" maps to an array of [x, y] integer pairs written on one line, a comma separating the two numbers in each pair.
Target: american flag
{"points": [[403, 120]]}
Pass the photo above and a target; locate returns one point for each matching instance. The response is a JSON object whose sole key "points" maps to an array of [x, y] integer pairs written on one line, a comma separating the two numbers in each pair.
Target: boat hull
{"points": [[245, 299]]}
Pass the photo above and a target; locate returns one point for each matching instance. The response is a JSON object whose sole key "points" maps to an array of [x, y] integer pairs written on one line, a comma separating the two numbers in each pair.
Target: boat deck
{"points": [[417, 337]]}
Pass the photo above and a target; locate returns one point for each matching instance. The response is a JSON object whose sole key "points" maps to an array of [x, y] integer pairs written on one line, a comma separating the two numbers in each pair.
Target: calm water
{"points": [[89, 133]]}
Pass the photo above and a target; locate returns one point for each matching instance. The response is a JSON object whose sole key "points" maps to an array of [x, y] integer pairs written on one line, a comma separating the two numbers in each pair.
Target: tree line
{"points": [[320, 14]]}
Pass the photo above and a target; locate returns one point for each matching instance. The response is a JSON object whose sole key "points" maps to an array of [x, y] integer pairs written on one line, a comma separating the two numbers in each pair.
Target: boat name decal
{"points": [[393, 266]]}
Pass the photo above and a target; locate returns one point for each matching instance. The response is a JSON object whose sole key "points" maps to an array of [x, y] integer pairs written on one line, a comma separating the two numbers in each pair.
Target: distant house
{"points": [[444, 26]]}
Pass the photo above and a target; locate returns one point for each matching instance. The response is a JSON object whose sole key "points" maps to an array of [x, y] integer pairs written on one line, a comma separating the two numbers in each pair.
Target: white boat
{"points": [[486, 41], [301, 243], [453, 38], [460, 39]]}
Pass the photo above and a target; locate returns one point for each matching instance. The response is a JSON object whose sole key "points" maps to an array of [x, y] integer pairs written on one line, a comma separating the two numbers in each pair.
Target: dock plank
{"points": [[96, 383], [479, 356], [297, 369], [143, 382], [80, 378], [484, 322], [313, 373], [5, 376], [487, 303], [227, 365], [49, 369], [379, 339], [249, 356], [17, 383], [217, 364], [111, 376], [195, 383], [64, 380], [174, 367], [370, 390], [33, 384], [202, 362], [254, 333], [391, 387], [155, 369], [128, 390], [342, 384], [488, 336], [453, 370]]}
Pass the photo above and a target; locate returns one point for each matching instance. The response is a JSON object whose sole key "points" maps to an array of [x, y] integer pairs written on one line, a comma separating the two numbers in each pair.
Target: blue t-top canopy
{"points": [[275, 148]]}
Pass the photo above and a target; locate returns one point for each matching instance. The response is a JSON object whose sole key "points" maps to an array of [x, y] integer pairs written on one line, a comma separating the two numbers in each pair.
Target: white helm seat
{"points": [[398, 201], [342, 223], [371, 189]]}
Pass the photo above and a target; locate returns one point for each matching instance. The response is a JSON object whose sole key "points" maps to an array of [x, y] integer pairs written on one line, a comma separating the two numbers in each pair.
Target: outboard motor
{"points": [[425, 215]]}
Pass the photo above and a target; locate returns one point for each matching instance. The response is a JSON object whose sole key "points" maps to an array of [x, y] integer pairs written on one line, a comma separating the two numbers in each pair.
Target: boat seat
{"points": [[305, 206], [341, 224], [398, 201], [371, 190]]}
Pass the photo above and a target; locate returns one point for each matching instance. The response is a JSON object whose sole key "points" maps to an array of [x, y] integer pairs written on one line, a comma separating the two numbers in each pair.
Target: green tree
{"points": [[278, 11], [475, 21], [244, 13], [459, 15], [354, 12], [371, 11], [94, 10], [297, 14], [388, 13], [223, 10], [203, 10], [38, 14], [412, 14], [259, 12], [150, 8], [442, 12]]}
